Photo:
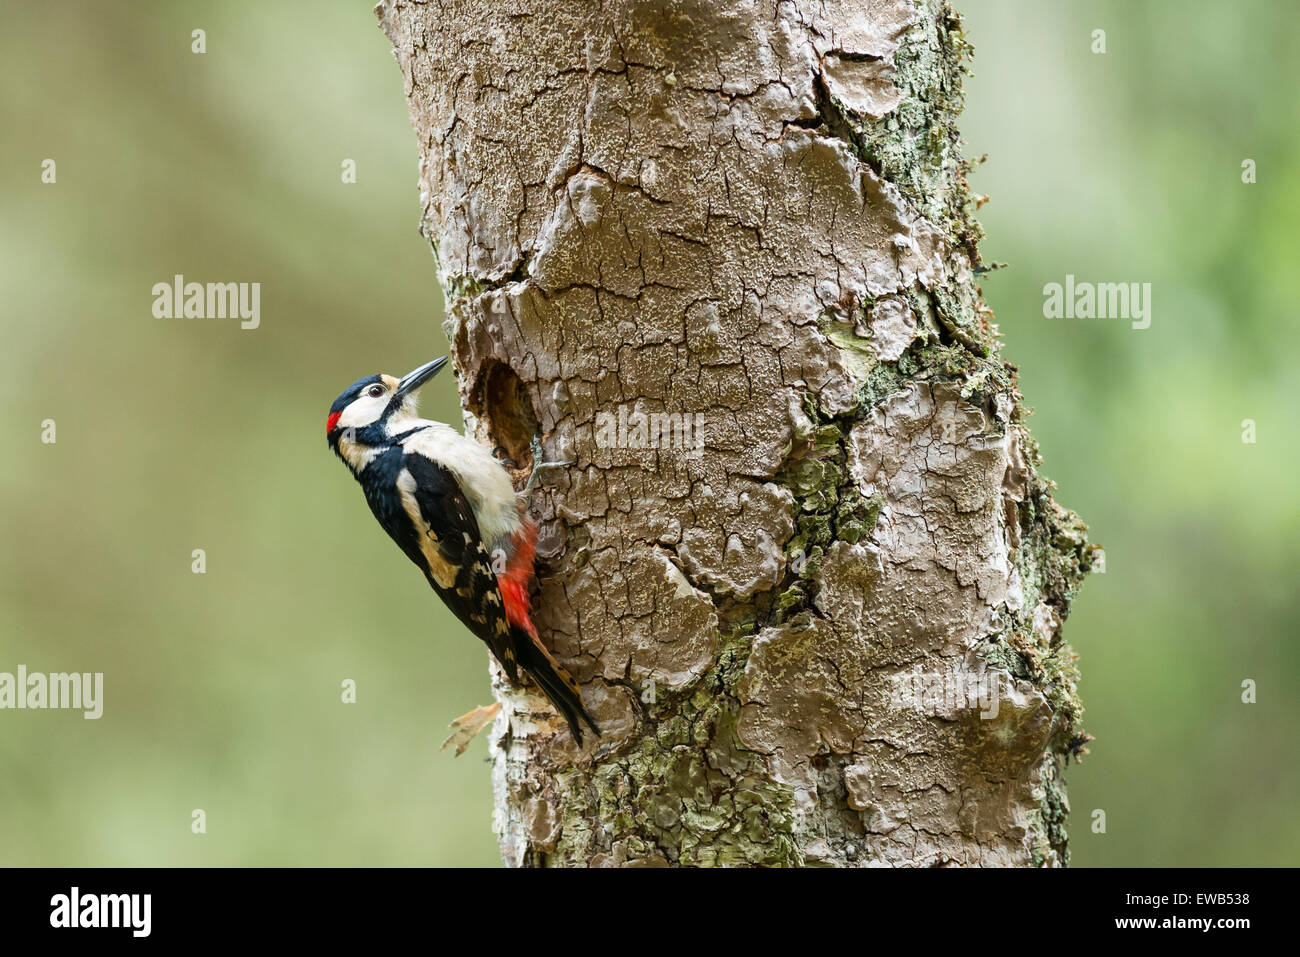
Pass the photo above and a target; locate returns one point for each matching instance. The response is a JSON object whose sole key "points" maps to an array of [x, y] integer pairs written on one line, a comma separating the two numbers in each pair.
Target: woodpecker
{"points": [[450, 505]]}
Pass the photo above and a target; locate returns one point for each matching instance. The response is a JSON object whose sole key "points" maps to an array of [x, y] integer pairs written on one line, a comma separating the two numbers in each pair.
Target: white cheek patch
{"points": [[363, 411]]}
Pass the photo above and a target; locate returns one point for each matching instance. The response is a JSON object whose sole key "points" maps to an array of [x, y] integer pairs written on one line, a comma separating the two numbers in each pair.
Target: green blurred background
{"points": [[222, 690]]}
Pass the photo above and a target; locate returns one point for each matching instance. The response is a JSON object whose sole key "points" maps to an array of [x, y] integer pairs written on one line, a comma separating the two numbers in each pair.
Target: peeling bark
{"points": [[752, 214]]}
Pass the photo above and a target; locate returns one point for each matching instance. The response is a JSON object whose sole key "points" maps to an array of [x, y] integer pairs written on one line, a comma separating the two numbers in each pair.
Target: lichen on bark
{"points": [[752, 213]]}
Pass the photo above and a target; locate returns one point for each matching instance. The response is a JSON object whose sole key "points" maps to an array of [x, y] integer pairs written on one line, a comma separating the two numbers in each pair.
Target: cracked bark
{"points": [[754, 213]]}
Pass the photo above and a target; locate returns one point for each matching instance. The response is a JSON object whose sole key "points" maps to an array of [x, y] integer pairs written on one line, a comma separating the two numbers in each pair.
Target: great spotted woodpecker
{"points": [[450, 506]]}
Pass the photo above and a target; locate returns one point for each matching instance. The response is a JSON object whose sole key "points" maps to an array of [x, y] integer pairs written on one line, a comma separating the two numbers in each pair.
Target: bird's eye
{"points": [[375, 391]]}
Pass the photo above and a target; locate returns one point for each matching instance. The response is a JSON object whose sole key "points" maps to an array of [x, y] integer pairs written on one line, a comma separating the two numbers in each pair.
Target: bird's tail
{"points": [[556, 683], [529, 652]]}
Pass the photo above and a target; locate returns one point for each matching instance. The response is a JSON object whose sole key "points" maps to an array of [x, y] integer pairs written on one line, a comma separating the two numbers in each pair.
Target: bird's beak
{"points": [[418, 377]]}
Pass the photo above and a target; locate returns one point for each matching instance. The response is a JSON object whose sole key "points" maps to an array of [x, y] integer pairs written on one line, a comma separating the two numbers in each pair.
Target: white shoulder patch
{"points": [[443, 572]]}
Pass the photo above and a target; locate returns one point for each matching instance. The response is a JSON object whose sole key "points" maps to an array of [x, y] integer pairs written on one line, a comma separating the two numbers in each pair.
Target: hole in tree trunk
{"points": [[501, 404]]}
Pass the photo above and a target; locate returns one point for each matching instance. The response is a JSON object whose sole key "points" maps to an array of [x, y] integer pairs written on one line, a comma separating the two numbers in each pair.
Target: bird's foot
{"points": [[465, 728], [535, 447]]}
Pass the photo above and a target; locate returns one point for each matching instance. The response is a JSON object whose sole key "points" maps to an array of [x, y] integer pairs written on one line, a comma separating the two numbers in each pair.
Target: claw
{"points": [[465, 728], [535, 447]]}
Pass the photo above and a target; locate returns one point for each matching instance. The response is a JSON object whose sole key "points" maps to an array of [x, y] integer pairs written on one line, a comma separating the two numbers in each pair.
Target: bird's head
{"points": [[369, 408]]}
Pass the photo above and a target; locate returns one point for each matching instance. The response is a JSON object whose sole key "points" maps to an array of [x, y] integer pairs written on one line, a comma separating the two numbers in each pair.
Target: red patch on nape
{"points": [[332, 421], [514, 581]]}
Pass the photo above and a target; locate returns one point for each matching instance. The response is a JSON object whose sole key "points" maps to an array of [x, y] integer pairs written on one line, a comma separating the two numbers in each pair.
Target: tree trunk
{"points": [[722, 254]]}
